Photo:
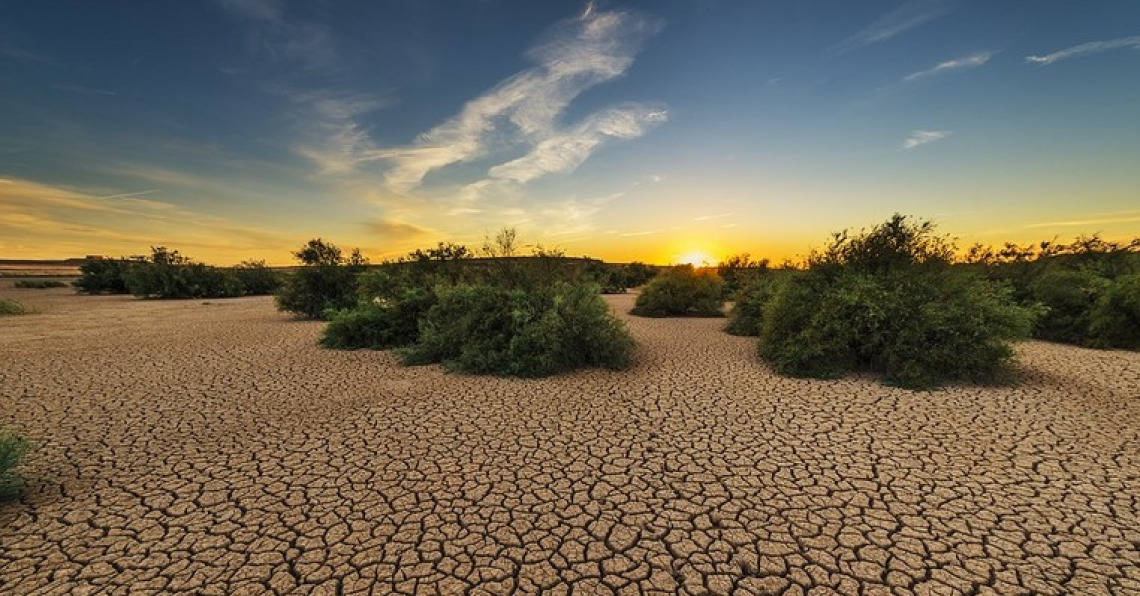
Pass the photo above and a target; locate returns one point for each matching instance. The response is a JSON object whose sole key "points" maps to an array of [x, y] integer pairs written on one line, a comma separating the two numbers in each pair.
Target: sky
{"points": [[623, 130]]}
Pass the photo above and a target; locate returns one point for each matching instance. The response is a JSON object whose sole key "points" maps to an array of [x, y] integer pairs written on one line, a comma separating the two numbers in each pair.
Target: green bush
{"points": [[379, 324], [13, 448], [1069, 296], [747, 314], [39, 284], [488, 329], [323, 284], [256, 278], [9, 306], [889, 302], [104, 276], [738, 271], [167, 274], [681, 291], [1115, 318]]}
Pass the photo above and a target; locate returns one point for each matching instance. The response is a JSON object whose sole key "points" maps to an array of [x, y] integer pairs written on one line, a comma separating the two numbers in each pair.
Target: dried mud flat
{"points": [[191, 448]]}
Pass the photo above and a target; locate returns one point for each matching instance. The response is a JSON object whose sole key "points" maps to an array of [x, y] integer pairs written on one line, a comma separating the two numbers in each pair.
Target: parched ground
{"points": [[212, 448]]}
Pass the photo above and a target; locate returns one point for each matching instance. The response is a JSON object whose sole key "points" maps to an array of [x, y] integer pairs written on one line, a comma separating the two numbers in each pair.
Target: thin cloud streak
{"points": [[908, 16], [1086, 49], [919, 138], [580, 54], [964, 63]]}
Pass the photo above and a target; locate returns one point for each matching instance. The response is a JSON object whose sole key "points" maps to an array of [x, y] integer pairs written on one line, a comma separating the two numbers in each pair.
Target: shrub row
{"points": [[39, 284], [168, 274], [682, 291]]}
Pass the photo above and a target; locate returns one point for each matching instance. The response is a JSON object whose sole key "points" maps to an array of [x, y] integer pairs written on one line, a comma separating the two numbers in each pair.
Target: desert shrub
{"points": [[13, 448], [1069, 296], [638, 274], [256, 278], [747, 314], [1114, 321], [739, 271], [324, 283], [39, 284], [104, 276], [889, 302], [490, 329], [380, 323], [681, 291], [9, 306]]}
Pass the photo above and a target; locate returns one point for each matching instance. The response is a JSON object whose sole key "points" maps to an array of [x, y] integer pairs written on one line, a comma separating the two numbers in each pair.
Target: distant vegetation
{"points": [[1090, 289], [324, 283], [39, 284], [680, 291], [888, 300], [502, 315], [9, 306], [13, 449], [166, 273]]}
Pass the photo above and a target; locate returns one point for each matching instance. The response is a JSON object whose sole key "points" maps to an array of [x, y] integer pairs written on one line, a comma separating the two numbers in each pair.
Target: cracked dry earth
{"points": [[190, 448]]}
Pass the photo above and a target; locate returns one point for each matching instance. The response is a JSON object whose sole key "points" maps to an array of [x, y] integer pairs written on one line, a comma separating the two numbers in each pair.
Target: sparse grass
{"points": [[39, 284], [9, 306], [13, 448]]}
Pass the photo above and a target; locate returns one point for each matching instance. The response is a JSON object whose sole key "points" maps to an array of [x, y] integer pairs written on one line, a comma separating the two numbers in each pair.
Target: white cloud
{"points": [[965, 62], [908, 16], [921, 137], [524, 110], [1085, 49]]}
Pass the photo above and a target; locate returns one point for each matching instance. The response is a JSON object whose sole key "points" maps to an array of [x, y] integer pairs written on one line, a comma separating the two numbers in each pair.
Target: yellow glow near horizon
{"points": [[696, 258]]}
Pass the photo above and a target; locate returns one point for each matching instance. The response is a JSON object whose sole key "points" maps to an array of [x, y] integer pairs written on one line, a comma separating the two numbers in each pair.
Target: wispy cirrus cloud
{"points": [[525, 109], [919, 138], [909, 15], [963, 63], [1086, 49], [273, 35]]}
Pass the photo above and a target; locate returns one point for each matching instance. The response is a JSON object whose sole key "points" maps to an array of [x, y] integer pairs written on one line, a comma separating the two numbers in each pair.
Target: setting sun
{"points": [[696, 258]]}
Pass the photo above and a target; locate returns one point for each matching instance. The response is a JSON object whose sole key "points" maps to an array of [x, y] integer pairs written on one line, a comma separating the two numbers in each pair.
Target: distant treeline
{"points": [[166, 273]]}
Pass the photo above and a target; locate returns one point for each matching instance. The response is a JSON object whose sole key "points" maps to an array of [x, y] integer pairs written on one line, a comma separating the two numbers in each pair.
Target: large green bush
{"points": [[888, 301], [747, 314], [1068, 296], [681, 291], [104, 276], [325, 282], [380, 323], [491, 329], [1114, 321], [13, 448]]}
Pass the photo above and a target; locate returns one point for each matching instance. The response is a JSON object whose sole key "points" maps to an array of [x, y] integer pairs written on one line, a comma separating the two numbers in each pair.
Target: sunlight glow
{"points": [[696, 258]]}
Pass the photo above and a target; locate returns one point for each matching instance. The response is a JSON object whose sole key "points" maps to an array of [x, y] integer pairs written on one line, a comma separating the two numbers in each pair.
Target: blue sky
{"points": [[236, 129]]}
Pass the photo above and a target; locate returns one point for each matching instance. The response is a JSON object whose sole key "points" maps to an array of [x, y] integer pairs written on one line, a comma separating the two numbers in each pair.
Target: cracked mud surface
{"points": [[189, 448]]}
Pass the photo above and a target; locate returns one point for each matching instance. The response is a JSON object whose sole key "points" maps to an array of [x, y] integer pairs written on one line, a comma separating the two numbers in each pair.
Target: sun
{"points": [[696, 258]]}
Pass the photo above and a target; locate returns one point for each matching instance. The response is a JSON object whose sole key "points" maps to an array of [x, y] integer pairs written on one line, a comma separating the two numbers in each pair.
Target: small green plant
{"points": [[9, 306], [682, 291], [39, 284], [379, 323], [13, 449], [326, 281], [1114, 321]]}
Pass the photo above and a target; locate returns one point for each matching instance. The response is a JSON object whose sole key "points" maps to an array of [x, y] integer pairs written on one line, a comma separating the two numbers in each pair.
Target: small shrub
{"points": [[747, 314], [256, 278], [1069, 296], [738, 271], [323, 284], [9, 306], [104, 276], [39, 284], [1115, 318], [379, 324], [13, 448], [681, 291], [487, 329]]}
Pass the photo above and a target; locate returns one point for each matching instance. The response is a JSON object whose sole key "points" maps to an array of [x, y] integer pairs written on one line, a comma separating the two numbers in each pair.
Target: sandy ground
{"points": [[194, 448]]}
